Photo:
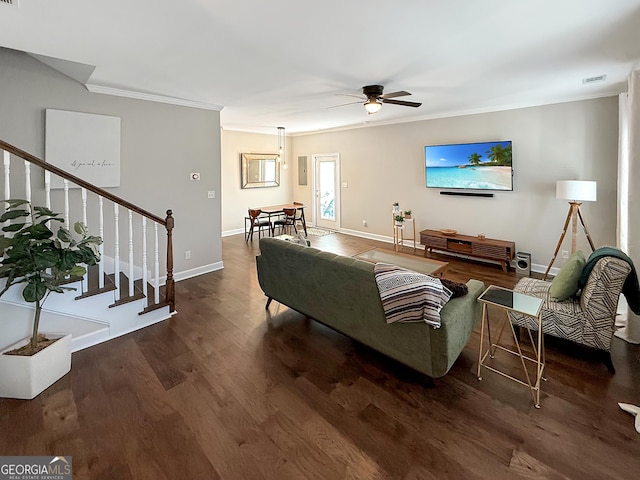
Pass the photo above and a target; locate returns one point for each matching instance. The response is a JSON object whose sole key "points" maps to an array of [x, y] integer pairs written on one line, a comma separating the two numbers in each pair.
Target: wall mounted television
{"points": [[469, 166]]}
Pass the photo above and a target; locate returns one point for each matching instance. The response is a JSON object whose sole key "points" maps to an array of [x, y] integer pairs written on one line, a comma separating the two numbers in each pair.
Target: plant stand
{"points": [[26, 377], [408, 226]]}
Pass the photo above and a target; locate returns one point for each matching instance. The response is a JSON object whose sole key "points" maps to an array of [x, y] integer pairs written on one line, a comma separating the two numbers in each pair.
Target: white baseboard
{"points": [[228, 233], [194, 272]]}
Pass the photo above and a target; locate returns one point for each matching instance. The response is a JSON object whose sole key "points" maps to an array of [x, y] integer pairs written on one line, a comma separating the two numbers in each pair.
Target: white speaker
{"points": [[523, 264]]}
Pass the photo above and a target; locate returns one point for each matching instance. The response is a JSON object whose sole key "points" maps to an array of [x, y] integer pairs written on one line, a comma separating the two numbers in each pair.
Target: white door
{"points": [[327, 191]]}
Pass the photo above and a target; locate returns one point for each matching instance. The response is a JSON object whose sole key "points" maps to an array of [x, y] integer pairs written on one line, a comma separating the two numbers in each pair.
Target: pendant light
{"points": [[281, 144]]}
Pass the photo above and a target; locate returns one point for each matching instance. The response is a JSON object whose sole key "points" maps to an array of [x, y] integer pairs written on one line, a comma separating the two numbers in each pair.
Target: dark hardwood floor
{"points": [[219, 392]]}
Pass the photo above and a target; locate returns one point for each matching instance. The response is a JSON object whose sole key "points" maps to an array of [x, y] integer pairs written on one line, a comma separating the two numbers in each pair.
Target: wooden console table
{"points": [[491, 249]]}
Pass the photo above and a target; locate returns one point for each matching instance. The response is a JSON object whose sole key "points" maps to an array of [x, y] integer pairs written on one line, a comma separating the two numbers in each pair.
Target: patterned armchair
{"points": [[588, 319]]}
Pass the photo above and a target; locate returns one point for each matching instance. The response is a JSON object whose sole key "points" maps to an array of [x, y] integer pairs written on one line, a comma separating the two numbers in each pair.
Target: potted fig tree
{"points": [[31, 254]]}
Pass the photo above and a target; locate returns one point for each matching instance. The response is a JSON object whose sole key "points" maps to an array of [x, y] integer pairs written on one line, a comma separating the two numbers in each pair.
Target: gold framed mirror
{"points": [[259, 170]]}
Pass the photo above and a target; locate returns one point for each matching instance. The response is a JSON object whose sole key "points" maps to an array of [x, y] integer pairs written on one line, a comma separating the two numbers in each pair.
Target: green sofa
{"points": [[341, 292]]}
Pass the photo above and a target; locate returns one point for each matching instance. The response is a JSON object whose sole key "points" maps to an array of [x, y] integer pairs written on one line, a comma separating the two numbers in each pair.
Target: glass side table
{"points": [[508, 300]]}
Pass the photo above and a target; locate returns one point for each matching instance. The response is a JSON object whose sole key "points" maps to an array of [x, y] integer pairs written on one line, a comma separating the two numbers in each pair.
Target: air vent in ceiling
{"points": [[599, 78], [11, 3]]}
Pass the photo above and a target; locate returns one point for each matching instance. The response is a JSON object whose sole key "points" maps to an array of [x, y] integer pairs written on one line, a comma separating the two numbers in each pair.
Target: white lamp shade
{"points": [[576, 190], [372, 106]]}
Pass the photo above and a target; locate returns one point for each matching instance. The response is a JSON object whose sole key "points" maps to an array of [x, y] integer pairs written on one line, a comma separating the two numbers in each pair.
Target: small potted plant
{"points": [[396, 208], [407, 214], [399, 219], [32, 254]]}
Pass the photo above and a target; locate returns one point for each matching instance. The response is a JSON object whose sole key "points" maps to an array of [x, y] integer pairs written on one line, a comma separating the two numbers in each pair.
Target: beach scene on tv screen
{"points": [[481, 166]]}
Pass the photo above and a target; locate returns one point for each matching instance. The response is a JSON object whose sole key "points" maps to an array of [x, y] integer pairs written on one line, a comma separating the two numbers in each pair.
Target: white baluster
{"points": [[7, 184], [85, 281], [66, 204], [116, 260], [144, 262], [27, 181], [7, 169], [101, 247], [84, 206], [27, 187], [131, 253], [156, 296], [47, 189]]}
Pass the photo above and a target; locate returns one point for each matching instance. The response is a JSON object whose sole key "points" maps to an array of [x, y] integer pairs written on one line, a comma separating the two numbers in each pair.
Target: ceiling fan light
{"points": [[372, 106]]}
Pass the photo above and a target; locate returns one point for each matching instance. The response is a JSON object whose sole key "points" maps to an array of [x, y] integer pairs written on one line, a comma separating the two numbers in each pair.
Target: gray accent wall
{"points": [[161, 145], [384, 164]]}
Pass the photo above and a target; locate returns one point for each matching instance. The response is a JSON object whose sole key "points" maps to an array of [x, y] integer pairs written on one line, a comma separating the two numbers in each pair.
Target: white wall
{"points": [[236, 200], [160, 145], [576, 140]]}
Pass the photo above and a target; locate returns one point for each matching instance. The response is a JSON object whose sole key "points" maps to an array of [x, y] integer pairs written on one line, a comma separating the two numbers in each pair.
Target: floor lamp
{"points": [[576, 191]]}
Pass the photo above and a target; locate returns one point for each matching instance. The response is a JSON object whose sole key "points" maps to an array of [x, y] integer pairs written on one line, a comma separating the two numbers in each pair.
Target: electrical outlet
{"points": [[364, 223], [211, 194], [187, 254], [565, 253]]}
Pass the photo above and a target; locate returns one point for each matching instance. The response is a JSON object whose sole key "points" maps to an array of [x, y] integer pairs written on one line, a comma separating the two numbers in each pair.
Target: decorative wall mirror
{"points": [[260, 170]]}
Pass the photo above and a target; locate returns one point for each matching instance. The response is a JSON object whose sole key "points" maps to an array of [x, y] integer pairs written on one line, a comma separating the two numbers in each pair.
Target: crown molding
{"points": [[149, 97]]}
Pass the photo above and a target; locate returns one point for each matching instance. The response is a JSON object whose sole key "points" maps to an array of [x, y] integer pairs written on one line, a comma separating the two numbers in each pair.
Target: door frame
{"points": [[337, 205]]}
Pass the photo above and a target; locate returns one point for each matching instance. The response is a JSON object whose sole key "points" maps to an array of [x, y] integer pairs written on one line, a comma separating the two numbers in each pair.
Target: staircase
{"points": [[124, 292]]}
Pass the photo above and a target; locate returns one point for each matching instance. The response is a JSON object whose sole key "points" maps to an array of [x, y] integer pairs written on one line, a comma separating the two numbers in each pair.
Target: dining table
{"points": [[275, 210]]}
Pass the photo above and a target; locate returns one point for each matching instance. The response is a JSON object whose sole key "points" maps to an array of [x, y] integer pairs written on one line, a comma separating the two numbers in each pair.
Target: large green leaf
{"points": [[44, 212], [35, 290], [64, 235], [15, 227], [40, 231], [15, 202], [13, 214], [80, 228]]}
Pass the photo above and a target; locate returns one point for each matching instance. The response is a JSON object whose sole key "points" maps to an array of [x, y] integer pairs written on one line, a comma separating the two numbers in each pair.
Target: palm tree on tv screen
{"points": [[474, 159], [500, 155]]}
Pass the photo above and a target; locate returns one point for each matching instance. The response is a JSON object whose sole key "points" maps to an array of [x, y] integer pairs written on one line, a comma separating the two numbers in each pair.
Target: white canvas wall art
{"points": [[85, 145]]}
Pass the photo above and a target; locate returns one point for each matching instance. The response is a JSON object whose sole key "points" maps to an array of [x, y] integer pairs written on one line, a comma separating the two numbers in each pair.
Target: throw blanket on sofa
{"points": [[409, 296], [630, 289]]}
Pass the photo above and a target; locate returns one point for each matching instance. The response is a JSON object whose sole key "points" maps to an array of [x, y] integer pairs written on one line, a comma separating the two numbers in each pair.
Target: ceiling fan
{"points": [[375, 98]]}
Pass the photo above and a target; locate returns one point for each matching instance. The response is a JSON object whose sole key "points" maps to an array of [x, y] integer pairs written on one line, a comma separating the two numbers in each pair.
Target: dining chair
{"points": [[289, 220], [256, 221], [299, 216]]}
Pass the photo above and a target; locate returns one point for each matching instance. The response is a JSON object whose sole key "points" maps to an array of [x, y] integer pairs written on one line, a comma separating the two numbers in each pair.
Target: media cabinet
{"points": [[501, 251]]}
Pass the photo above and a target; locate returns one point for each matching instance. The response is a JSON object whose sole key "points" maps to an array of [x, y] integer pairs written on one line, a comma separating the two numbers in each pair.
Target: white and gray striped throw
{"points": [[409, 296]]}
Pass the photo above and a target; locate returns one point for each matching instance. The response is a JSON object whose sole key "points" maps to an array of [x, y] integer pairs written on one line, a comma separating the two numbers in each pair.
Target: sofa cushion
{"points": [[409, 296], [565, 284]]}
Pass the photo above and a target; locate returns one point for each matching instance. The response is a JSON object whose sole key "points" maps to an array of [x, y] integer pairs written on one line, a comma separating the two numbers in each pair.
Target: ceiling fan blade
{"points": [[350, 95], [401, 102], [401, 93], [345, 104]]}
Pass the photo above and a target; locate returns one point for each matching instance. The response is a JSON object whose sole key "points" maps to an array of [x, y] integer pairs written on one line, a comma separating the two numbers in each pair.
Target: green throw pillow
{"points": [[565, 285]]}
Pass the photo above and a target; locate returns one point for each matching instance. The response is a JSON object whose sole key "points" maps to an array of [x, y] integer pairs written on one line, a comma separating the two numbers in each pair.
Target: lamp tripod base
{"points": [[573, 215]]}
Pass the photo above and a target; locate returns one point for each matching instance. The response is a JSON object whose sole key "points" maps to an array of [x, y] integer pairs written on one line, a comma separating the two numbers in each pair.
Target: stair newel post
{"points": [[169, 286], [156, 259]]}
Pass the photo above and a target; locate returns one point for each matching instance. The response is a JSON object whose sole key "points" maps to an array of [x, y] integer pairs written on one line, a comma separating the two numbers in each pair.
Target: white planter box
{"points": [[26, 377]]}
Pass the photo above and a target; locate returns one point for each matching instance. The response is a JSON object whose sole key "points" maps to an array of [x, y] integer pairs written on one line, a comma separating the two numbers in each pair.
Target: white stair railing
{"points": [[71, 196]]}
